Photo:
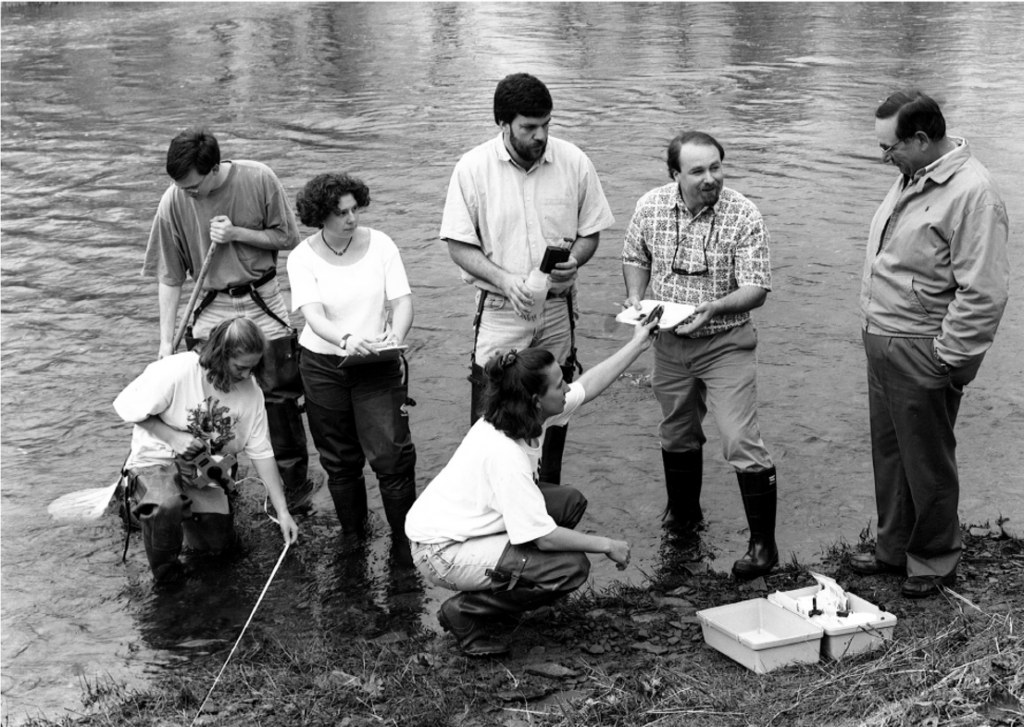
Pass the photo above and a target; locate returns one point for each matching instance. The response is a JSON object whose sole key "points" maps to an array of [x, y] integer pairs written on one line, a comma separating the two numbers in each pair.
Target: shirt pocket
{"points": [[558, 219]]}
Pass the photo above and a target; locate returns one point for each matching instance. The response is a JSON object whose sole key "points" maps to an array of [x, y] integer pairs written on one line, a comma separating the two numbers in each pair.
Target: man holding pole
{"points": [[232, 218]]}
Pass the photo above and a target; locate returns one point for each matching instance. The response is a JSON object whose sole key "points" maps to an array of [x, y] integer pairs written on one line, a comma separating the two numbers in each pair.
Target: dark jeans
{"points": [[358, 414]]}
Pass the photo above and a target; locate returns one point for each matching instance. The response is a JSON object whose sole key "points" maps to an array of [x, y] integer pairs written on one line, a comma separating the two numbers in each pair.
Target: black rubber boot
{"points": [[463, 617], [162, 536], [684, 474], [288, 439], [397, 493], [349, 498], [760, 497], [551, 455]]}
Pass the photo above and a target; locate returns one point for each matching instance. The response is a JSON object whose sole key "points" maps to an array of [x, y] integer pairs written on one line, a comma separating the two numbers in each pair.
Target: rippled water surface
{"points": [[92, 94]]}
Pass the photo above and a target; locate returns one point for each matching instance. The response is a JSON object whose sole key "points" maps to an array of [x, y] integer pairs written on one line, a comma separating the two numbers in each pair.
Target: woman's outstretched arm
{"points": [[600, 377]]}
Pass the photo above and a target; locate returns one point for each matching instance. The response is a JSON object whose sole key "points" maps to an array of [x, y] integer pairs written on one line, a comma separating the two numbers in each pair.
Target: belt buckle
{"points": [[239, 291]]}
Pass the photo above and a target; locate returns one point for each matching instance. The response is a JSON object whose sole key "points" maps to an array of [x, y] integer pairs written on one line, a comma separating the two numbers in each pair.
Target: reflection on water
{"points": [[92, 93]]}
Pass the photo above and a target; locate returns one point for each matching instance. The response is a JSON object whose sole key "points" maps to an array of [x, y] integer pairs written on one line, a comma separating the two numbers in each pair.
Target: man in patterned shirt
{"points": [[698, 242]]}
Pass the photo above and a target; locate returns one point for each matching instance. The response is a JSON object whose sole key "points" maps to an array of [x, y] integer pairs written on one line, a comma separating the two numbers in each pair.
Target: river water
{"points": [[92, 93]]}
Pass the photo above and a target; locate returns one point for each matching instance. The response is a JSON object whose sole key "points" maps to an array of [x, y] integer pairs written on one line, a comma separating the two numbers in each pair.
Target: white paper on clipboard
{"points": [[387, 353], [675, 313]]}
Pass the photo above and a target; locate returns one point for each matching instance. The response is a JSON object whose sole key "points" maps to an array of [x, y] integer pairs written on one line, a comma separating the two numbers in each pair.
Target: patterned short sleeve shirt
{"points": [[721, 247]]}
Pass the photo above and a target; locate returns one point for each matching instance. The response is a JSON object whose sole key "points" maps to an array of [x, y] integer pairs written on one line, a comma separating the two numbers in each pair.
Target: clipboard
{"points": [[673, 315], [386, 353]]}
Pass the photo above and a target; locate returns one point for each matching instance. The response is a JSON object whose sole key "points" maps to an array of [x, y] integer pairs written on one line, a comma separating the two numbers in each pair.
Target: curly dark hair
{"points": [[520, 94], [231, 337], [194, 148], [513, 380], [319, 198]]}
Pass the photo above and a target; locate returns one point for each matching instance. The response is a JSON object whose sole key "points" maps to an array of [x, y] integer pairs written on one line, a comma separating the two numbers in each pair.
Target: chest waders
{"points": [[282, 389], [554, 437]]}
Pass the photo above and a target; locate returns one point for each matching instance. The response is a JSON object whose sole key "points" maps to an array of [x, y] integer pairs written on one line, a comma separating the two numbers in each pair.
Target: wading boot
{"points": [[162, 536], [397, 494], [551, 455], [349, 496], [684, 473], [759, 502], [288, 439], [300, 499], [468, 629]]}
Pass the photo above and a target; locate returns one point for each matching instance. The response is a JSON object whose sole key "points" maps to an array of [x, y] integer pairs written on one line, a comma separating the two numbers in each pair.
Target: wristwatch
{"points": [[344, 342]]}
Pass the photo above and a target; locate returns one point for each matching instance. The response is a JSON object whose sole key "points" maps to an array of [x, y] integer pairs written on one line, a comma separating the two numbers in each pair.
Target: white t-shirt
{"points": [[176, 390], [488, 487], [353, 296]]}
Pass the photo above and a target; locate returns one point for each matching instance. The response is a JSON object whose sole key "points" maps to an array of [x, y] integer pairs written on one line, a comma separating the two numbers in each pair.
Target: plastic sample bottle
{"points": [[538, 284]]}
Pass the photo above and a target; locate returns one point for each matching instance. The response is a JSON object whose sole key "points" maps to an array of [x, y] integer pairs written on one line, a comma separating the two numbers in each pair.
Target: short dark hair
{"points": [[914, 112], [230, 338], [689, 137], [319, 198], [194, 148], [513, 379], [520, 94]]}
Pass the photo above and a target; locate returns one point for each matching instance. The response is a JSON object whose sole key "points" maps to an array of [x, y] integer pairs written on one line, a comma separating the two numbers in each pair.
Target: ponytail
{"points": [[513, 381]]}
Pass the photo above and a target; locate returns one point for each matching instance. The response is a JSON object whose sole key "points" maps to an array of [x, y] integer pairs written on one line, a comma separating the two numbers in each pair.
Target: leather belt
{"points": [[240, 291]]}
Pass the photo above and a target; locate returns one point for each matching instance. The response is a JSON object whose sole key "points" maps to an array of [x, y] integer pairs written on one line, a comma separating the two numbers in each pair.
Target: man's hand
{"points": [[619, 553], [221, 230], [704, 313], [563, 275], [514, 288], [633, 302], [166, 349]]}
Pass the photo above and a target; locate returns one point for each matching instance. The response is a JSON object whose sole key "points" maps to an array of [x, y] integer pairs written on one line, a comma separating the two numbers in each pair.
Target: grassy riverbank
{"points": [[627, 656]]}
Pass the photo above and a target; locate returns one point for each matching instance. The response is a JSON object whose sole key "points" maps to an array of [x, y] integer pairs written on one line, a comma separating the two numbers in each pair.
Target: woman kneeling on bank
{"points": [[485, 527], [193, 413]]}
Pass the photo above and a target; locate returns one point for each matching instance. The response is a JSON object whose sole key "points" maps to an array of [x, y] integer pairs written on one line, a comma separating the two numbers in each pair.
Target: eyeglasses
{"points": [[704, 247], [887, 150], [195, 187]]}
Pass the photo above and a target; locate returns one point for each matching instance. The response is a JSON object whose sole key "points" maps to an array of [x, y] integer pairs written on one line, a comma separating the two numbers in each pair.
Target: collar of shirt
{"points": [[505, 156], [940, 170]]}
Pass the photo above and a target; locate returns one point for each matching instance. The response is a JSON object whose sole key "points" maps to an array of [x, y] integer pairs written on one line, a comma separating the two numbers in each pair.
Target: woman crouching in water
{"points": [[485, 527], [191, 408]]}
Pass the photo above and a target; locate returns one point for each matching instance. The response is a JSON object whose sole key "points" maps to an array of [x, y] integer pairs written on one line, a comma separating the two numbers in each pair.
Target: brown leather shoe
{"points": [[866, 564], [926, 586], [468, 630]]}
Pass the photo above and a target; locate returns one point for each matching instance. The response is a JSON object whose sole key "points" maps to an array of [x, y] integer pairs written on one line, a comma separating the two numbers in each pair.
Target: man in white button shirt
{"points": [[508, 200]]}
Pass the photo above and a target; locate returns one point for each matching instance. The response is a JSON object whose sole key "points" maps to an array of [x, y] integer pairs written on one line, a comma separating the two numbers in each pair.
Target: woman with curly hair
{"points": [[190, 408], [344, 279], [485, 526]]}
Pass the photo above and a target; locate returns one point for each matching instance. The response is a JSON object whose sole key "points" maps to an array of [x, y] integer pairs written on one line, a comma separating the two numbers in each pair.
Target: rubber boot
{"points": [[551, 455], [162, 536], [684, 474], [349, 498], [397, 494], [760, 497], [461, 616], [288, 439]]}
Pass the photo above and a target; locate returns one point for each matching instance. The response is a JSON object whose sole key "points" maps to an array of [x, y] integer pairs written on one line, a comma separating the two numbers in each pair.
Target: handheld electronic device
{"points": [[552, 256]]}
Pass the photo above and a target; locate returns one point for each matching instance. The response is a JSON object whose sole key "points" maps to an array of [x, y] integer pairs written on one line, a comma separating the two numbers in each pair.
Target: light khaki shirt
{"points": [[513, 214]]}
